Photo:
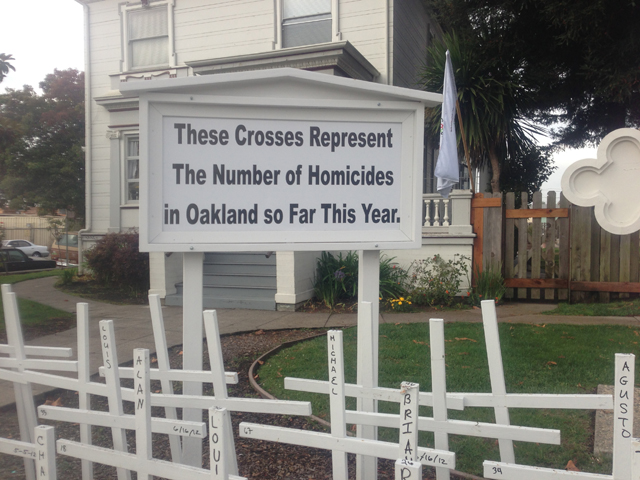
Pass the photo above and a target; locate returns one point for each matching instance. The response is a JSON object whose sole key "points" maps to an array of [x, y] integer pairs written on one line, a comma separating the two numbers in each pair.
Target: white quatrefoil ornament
{"points": [[610, 183]]}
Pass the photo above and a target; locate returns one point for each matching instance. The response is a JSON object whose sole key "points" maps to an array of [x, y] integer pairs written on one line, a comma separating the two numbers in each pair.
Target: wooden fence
{"points": [[557, 251], [36, 229]]}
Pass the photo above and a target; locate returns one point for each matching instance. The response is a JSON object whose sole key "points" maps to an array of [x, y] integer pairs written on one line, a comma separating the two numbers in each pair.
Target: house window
{"points": [[132, 169], [306, 22], [148, 36]]}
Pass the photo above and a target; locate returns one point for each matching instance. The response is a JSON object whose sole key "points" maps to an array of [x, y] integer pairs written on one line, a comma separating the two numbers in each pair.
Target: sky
{"points": [[41, 35], [46, 34]]}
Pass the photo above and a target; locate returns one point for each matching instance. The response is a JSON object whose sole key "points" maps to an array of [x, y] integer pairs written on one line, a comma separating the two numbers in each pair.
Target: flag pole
{"points": [[466, 148]]}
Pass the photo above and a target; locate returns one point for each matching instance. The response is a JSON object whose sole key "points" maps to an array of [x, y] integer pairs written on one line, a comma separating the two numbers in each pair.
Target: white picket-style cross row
{"points": [[501, 401], [18, 360], [41, 451], [142, 461], [166, 375], [439, 424], [623, 455], [336, 442], [216, 376], [35, 446]]}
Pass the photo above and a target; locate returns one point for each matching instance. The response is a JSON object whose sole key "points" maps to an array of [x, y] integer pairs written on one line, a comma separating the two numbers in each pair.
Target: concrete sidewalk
{"points": [[133, 323]]}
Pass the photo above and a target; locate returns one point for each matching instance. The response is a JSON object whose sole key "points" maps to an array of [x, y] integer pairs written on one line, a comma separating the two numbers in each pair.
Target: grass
{"points": [[21, 277], [32, 314], [613, 309], [537, 359]]}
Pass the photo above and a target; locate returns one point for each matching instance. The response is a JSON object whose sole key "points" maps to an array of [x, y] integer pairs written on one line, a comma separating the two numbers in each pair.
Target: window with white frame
{"points": [[305, 22], [148, 36], [132, 169]]}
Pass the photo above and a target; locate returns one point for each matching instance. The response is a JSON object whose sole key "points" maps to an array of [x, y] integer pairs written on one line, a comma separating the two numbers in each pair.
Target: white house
{"points": [[382, 41]]}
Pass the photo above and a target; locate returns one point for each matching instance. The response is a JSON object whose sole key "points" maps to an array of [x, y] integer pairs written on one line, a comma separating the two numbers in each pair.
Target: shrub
{"points": [[67, 276], [489, 284], [116, 261], [393, 279], [435, 281], [337, 278]]}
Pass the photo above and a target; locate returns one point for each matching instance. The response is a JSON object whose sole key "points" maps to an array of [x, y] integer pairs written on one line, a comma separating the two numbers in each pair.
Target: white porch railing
{"points": [[447, 216]]}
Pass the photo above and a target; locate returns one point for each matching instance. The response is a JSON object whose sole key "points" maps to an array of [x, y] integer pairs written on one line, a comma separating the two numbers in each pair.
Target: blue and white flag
{"points": [[447, 170]]}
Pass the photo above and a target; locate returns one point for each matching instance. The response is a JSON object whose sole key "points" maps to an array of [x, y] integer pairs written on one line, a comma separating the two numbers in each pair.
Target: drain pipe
{"points": [[88, 129]]}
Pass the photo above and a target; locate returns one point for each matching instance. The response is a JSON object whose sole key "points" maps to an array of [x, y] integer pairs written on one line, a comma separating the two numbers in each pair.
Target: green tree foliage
{"points": [[493, 96], [5, 65], [577, 59], [41, 140]]}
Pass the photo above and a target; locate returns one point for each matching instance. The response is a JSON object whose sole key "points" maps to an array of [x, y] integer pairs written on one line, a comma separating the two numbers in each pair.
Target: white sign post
{"points": [[192, 335]]}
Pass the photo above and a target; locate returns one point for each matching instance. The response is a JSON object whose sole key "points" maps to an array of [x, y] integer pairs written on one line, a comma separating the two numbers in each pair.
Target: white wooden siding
{"points": [[362, 23], [207, 29], [409, 42]]}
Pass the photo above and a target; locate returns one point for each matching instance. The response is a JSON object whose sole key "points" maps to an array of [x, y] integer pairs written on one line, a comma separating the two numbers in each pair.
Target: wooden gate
{"points": [[559, 252], [486, 218]]}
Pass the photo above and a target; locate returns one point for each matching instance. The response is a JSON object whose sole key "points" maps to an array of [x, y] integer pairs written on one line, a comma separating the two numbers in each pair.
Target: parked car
{"points": [[31, 249], [67, 243], [14, 260]]}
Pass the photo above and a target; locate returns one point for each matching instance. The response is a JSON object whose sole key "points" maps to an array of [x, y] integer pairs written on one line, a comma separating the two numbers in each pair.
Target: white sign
{"points": [[259, 170], [241, 175], [226, 173], [609, 182]]}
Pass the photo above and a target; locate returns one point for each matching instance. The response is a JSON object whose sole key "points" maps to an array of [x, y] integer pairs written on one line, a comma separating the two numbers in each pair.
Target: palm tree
{"points": [[492, 97], [5, 66]]}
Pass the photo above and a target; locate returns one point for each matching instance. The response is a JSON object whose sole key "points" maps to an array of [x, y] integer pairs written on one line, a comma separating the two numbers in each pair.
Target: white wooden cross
{"points": [[42, 451], [82, 384], [142, 461], [438, 399], [114, 395], [18, 360], [166, 375], [336, 442], [24, 395], [501, 401], [216, 375], [624, 456], [407, 467], [337, 405], [439, 388]]}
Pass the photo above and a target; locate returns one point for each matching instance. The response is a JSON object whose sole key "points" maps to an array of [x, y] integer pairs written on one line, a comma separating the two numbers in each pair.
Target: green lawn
{"points": [[21, 277], [613, 309], [537, 359], [32, 313]]}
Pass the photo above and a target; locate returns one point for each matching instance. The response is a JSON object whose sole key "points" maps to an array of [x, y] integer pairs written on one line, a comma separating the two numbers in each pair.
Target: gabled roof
{"points": [[282, 83]]}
